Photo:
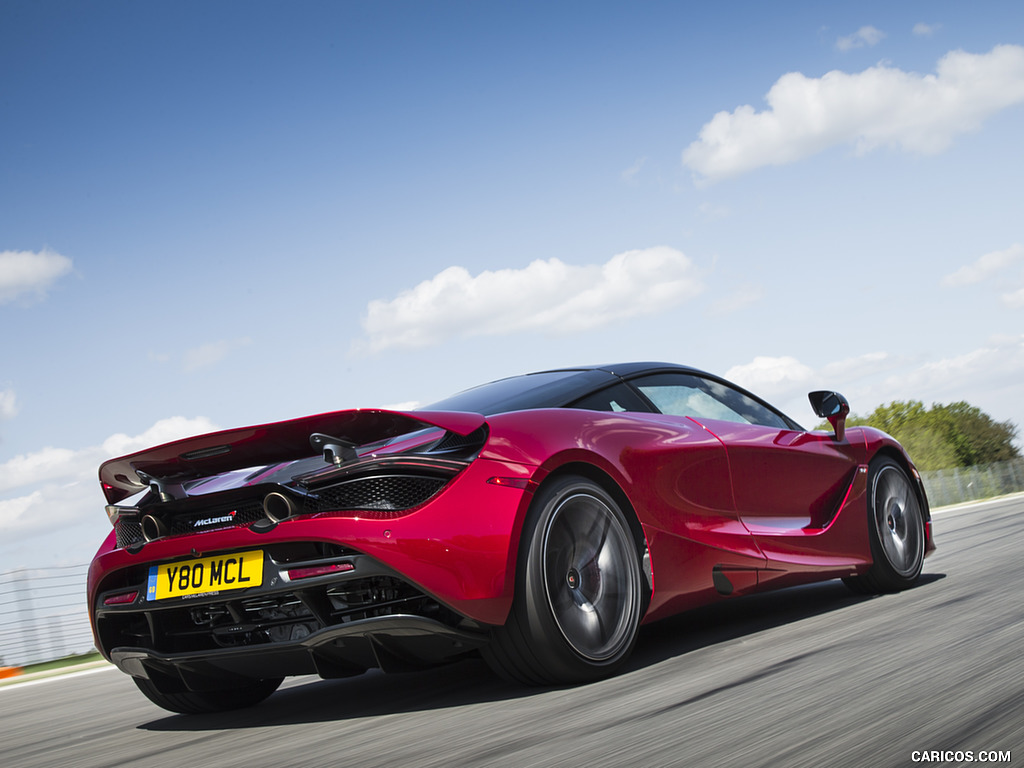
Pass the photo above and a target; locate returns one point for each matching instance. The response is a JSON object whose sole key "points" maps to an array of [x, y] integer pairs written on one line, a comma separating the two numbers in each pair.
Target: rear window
{"points": [[552, 389]]}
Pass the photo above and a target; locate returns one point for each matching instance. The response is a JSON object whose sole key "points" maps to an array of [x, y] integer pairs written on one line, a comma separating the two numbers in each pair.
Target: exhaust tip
{"points": [[153, 529], [278, 507]]}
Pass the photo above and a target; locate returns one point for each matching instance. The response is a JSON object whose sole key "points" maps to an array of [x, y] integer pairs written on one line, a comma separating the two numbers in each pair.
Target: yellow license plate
{"points": [[206, 575]]}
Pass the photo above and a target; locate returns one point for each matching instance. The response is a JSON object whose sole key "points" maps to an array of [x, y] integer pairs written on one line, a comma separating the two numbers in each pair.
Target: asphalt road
{"points": [[812, 676]]}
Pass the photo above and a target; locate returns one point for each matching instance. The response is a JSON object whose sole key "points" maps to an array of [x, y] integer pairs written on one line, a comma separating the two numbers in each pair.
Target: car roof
{"points": [[553, 388]]}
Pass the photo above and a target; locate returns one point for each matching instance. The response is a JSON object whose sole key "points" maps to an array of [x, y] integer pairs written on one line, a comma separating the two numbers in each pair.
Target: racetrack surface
{"points": [[812, 676]]}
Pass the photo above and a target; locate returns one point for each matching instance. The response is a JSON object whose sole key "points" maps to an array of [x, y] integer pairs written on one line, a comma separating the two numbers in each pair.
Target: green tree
{"points": [[977, 438], [944, 436]]}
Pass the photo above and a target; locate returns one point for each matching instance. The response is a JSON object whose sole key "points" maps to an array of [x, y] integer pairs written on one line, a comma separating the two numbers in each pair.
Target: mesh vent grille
{"points": [[386, 493], [452, 442], [129, 532]]}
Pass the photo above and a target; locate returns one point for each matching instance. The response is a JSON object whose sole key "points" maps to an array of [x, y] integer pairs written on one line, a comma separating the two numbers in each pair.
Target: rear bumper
{"points": [[393, 643], [458, 548]]}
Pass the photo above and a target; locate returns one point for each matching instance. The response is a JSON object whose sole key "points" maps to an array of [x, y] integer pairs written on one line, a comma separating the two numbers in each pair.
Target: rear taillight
{"points": [[318, 570], [122, 598]]}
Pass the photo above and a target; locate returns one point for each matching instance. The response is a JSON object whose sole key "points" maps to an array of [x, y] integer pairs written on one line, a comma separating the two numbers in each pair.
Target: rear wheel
{"points": [[203, 702], [896, 524], [578, 590]]}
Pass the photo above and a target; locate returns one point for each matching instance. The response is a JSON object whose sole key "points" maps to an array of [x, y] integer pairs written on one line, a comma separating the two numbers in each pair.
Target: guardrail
{"points": [[982, 481], [43, 614]]}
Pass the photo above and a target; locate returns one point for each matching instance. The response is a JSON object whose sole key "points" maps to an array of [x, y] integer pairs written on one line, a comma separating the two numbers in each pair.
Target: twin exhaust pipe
{"points": [[152, 528], [277, 507]]}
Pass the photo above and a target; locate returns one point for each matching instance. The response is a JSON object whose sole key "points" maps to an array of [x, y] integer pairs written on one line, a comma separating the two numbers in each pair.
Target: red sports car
{"points": [[537, 520]]}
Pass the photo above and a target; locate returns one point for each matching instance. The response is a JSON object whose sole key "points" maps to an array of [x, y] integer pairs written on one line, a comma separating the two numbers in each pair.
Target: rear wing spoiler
{"points": [[211, 454]]}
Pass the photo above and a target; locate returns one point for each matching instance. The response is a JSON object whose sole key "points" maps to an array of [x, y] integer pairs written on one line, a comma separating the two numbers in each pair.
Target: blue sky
{"points": [[216, 214]]}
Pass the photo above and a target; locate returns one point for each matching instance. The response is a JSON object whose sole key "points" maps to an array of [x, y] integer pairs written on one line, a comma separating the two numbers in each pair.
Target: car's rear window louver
{"points": [[453, 442], [382, 493]]}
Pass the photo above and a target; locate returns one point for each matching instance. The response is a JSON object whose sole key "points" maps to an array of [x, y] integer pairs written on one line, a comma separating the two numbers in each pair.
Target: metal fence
{"points": [[983, 481], [43, 614]]}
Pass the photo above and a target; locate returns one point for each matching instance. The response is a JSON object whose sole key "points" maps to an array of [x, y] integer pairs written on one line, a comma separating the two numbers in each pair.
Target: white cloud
{"points": [[45, 464], [994, 367], [28, 272], [710, 212], [163, 431], [8, 406], [782, 381], [550, 296], [772, 377], [988, 377], [1014, 299], [630, 174], [47, 509], [860, 367], [51, 465], [881, 106], [785, 381], [13, 511], [744, 296], [863, 37], [921, 29], [985, 266], [212, 353], [58, 489]]}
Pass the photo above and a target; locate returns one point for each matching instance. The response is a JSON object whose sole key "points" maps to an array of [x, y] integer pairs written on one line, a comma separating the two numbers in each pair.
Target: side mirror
{"points": [[831, 406]]}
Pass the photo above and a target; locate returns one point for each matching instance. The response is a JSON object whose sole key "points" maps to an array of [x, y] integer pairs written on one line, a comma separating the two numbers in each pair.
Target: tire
{"points": [[896, 531], [578, 600], [205, 702]]}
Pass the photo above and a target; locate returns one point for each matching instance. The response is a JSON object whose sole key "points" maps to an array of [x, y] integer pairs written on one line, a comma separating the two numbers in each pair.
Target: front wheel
{"points": [[896, 523], [579, 594]]}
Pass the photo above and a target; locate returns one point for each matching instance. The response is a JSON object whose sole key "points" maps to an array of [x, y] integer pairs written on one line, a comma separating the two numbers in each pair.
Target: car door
{"points": [[788, 483], [686, 495]]}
